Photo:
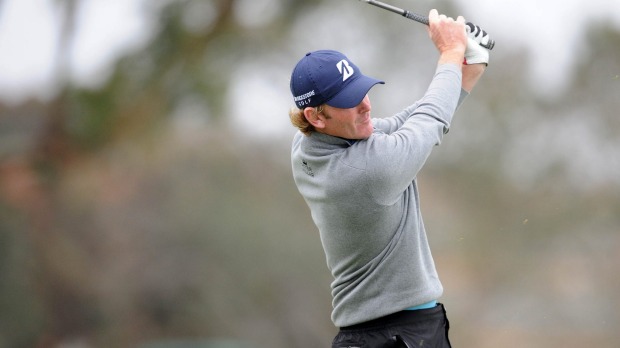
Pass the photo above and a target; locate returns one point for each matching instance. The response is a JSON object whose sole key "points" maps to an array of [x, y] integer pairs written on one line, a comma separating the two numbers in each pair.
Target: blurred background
{"points": [[146, 197]]}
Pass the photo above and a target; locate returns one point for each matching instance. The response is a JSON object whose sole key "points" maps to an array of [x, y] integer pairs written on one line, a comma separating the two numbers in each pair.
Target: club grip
{"points": [[416, 17], [424, 20]]}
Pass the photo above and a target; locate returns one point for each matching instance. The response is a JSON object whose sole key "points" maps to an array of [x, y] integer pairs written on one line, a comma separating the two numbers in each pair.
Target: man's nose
{"points": [[364, 105]]}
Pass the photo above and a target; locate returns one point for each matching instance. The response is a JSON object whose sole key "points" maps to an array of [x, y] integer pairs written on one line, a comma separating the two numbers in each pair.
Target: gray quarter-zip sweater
{"points": [[364, 200]]}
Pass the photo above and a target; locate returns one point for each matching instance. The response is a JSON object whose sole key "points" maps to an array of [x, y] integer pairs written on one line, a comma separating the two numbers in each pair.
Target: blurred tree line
{"points": [[125, 224]]}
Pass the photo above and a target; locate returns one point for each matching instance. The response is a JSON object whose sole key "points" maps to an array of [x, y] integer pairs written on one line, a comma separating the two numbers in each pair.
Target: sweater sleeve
{"points": [[391, 124], [396, 156]]}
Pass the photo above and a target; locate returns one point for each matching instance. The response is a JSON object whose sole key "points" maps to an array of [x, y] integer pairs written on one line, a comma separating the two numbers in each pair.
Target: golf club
{"points": [[416, 17]]}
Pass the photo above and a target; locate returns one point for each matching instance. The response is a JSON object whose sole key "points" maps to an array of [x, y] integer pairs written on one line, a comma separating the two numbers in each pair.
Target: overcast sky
{"points": [[108, 28]]}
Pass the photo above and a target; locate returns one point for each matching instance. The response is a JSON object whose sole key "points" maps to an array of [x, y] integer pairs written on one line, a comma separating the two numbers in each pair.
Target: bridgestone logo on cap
{"points": [[305, 96]]}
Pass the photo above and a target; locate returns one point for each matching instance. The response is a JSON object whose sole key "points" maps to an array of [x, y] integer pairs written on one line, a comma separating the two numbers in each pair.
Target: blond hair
{"points": [[298, 119]]}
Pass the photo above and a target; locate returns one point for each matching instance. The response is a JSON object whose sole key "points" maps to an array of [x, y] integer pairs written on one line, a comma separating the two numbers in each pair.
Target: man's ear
{"points": [[314, 118]]}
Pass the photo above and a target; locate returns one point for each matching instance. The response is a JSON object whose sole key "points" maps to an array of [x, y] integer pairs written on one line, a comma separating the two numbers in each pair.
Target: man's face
{"points": [[353, 123]]}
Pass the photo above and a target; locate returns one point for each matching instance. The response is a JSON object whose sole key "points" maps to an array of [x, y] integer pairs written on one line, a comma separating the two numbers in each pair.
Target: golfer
{"points": [[358, 176]]}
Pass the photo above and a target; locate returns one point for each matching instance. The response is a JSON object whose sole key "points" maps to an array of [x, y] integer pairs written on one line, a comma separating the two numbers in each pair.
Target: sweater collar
{"points": [[332, 140]]}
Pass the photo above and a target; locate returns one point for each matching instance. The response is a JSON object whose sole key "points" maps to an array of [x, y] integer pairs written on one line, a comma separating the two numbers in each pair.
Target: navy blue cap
{"points": [[329, 77]]}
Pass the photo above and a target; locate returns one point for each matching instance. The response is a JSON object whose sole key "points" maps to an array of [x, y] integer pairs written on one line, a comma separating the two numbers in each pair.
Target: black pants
{"points": [[419, 328]]}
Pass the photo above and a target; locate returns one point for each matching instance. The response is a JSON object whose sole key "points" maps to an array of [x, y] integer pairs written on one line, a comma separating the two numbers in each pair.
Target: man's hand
{"points": [[475, 53], [448, 36]]}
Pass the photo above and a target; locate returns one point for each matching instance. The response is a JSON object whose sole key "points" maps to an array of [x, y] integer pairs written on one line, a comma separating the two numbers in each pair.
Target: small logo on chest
{"points": [[307, 169]]}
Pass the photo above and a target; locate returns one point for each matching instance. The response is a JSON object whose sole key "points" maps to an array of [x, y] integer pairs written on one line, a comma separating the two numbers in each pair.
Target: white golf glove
{"points": [[475, 53]]}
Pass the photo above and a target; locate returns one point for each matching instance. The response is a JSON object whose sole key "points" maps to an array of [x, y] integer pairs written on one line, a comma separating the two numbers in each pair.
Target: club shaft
{"points": [[414, 16]]}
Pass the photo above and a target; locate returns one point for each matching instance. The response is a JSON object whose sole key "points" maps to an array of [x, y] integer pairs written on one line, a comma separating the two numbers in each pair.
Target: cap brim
{"points": [[353, 93]]}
